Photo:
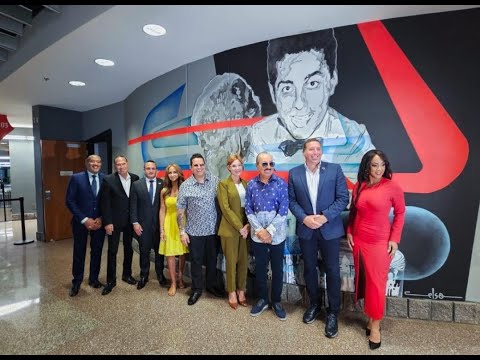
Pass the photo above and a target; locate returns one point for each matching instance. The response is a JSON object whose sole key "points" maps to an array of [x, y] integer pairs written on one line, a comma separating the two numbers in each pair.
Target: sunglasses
{"points": [[265, 164]]}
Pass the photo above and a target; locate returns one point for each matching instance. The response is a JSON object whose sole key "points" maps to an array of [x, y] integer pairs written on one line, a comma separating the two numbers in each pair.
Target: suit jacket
{"points": [[142, 210], [80, 199], [114, 203], [332, 199], [233, 216]]}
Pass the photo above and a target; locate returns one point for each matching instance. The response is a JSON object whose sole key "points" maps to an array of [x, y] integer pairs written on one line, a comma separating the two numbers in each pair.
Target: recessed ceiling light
{"points": [[76, 83], [104, 62], [154, 30]]}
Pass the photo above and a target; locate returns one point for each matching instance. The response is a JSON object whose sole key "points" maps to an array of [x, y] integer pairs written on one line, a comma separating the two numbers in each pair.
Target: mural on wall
{"points": [[270, 96]]}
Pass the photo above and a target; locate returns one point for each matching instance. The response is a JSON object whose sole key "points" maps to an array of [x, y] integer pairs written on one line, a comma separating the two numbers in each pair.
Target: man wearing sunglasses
{"points": [[318, 193], [266, 206]]}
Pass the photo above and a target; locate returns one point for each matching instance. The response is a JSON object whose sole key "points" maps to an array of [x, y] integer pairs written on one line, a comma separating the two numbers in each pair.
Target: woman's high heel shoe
{"points": [[181, 285], [373, 345], [233, 305], [242, 302], [172, 290], [367, 331]]}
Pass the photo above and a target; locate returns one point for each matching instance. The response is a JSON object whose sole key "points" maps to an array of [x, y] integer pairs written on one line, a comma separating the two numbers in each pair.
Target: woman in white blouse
{"points": [[234, 230]]}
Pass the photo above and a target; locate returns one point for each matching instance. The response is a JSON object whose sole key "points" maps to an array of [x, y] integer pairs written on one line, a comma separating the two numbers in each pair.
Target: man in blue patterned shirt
{"points": [[196, 199], [266, 206]]}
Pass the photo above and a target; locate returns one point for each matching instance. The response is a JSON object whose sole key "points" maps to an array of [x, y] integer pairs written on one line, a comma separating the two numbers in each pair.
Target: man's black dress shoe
{"points": [[129, 279], [331, 326], [215, 292], [108, 289], [95, 284], [141, 283], [163, 281], [194, 298], [74, 290], [311, 314]]}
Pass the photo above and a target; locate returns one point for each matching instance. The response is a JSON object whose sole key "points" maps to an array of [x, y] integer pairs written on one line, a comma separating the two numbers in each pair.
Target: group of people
{"points": [[176, 216]]}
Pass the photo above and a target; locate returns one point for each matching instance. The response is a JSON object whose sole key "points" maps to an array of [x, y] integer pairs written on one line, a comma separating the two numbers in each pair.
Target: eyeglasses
{"points": [[265, 164]]}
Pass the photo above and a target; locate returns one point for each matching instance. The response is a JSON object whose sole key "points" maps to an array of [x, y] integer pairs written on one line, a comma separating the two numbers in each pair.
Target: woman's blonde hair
{"points": [[232, 157]]}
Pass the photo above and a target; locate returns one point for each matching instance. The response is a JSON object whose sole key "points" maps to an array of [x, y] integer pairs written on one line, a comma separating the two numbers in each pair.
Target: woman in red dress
{"points": [[371, 236]]}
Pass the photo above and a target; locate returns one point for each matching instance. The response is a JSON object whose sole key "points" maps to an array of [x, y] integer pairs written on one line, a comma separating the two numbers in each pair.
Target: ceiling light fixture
{"points": [[76, 83], [104, 62], [154, 30], [18, 137]]}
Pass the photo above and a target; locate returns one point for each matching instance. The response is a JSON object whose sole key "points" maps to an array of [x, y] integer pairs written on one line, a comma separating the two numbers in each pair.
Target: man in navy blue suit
{"points": [[144, 215], [82, 199], [317, 193]]}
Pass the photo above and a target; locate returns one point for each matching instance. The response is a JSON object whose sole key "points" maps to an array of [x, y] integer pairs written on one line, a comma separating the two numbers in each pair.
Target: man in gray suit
{"points": [[317, 193], [144, 212]]}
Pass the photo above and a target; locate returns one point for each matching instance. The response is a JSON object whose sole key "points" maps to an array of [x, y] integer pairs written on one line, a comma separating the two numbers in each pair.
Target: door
{"points": [[60, 159], [101, 145]]}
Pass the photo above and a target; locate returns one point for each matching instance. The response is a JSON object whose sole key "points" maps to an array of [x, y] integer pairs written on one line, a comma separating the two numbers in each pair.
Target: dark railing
{"points": [[6, 198]]}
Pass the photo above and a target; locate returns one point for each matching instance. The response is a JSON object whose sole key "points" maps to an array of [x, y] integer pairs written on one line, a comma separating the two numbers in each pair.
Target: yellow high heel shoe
{"points": [[172, 290]]}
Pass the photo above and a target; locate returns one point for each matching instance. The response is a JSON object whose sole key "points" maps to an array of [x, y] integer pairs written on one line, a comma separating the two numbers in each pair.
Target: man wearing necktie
{"points": [[302, 75], [144, 215], [82, 199]]}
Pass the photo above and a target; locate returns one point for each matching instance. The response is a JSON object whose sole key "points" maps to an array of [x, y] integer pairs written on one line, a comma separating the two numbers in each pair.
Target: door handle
{"points": [[48, 195]]}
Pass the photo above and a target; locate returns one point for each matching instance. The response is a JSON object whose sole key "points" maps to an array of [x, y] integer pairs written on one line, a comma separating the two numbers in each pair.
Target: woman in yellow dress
{"points": [[170, 244]]}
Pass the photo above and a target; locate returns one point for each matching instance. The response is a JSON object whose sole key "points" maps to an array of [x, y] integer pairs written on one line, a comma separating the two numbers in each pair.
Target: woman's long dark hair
{"points": [[168, 183], [364, 169]]}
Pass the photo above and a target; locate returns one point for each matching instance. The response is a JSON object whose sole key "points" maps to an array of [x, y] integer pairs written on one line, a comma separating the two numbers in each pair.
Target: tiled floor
{"points": [[38, 317]]}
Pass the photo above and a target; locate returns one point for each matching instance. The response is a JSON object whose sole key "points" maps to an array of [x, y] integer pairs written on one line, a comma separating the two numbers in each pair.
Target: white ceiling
{"points": [[193, 32]]}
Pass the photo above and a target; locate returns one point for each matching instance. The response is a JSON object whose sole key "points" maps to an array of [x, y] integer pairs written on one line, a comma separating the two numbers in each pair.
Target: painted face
{"points": [[302, 90], [150, 170], [121, 165], [172, 174], [235, 167], [94, 164], [198, 167], [265, 166], [313, 152], [377, 169]]}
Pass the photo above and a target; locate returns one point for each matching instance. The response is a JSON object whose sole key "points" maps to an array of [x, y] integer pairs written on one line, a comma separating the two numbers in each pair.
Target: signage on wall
{"points": [[5, 127]]}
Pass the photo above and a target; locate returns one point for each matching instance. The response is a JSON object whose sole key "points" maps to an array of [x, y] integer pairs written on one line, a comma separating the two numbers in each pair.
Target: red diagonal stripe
{"points": [[203, 127], [439, 143]]}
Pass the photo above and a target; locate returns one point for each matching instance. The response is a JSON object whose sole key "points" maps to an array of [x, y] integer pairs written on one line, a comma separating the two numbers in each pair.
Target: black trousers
{"points": [[200, 247], [148, 241], [80, 236], [113, 242]]}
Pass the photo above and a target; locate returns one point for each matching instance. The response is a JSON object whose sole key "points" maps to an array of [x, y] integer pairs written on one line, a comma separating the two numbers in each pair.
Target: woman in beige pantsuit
{"points": [[234, 230]]}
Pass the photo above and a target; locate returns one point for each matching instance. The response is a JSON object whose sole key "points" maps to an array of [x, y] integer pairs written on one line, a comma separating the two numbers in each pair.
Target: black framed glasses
{"points": [[265, 164]]}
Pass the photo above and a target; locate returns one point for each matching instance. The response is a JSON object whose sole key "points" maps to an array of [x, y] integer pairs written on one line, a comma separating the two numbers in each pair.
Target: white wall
{"points": [[473, 288], [22, 173]]}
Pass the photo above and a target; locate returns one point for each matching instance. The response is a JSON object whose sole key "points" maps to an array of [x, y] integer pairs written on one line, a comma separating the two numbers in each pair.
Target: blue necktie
{"points": [[150, 190], [94, 185]]}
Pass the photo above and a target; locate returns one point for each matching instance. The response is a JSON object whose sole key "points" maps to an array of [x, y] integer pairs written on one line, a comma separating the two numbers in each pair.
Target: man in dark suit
{"points": [[144, 215], [317, 193], [116, 218], [82, 199]]}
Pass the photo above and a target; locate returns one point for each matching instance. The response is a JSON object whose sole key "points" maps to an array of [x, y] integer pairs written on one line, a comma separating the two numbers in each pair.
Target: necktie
{"points": [[150, 190], [94, 185]]}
